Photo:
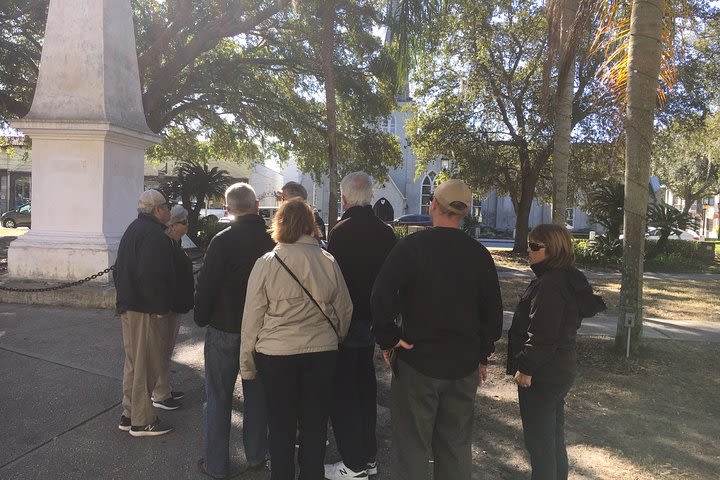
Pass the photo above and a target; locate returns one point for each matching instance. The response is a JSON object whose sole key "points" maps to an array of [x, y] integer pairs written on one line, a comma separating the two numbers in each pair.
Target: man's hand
{"points": [[523, 380], [400, 344], [482, 374]]}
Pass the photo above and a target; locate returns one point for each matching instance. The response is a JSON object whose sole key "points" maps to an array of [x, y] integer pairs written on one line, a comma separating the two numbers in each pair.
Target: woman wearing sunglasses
{"points": [[163, 396], [542, 347]]}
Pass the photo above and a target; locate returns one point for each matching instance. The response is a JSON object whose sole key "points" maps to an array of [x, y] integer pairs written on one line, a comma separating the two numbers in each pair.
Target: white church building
{"points": [[407, 192]]}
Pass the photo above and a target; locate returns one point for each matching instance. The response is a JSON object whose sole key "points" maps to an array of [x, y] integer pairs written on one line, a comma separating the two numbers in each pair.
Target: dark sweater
{"points": [[184, 280], [541, 339], [144, 273], [360, 242], [445, 285], [222, 280]]}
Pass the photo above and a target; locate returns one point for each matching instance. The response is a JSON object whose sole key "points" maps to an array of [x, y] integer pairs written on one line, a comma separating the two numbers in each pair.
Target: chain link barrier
{"points": [[75, 283], [58, 287]]}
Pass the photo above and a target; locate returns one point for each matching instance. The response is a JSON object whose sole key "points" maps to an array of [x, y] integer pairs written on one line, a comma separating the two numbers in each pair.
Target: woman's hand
{"points": [[523, 380]]}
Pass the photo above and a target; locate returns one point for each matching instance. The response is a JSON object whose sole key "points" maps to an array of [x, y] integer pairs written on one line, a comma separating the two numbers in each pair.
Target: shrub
{"points": [[208, 228]]}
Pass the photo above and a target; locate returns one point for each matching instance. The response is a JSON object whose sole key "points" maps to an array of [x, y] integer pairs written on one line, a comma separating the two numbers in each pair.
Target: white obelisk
{"points": [[89, 137]]}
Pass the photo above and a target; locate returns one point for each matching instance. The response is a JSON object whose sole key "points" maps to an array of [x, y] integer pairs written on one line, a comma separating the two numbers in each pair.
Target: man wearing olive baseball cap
{"points": [[444, 285]]}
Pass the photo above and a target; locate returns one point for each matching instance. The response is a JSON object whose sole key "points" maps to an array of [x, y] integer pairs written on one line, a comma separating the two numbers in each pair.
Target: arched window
{"points": [[428, 186], [390, 125]]}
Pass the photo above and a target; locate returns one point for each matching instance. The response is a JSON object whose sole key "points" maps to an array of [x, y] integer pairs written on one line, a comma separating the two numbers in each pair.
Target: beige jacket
{"points": [[279, 318]]}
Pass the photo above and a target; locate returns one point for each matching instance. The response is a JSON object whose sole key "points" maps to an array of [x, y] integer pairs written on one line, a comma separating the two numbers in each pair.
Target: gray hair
{"points": [[240, 198], [294, 190], [357, 188]]}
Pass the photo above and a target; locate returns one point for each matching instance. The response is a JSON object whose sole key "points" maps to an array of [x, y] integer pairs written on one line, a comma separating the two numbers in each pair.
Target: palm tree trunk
{"points": [[644, 57], [563, 118], [328, 35]]}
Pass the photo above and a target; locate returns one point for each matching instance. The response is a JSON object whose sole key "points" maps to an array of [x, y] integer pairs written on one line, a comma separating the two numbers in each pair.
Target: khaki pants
{"points": [[170, 327], [142, 337]]}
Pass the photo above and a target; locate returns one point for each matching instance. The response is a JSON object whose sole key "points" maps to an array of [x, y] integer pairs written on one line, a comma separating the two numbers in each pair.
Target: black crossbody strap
{"points": [[307, 293]]}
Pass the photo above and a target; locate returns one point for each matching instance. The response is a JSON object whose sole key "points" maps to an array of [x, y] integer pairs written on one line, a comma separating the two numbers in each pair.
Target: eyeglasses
{"points": [[535, 247], [182, 222]]}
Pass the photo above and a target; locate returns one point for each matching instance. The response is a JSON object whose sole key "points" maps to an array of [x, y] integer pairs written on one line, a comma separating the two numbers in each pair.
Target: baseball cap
{"points": [[454, 196], [150, 199]]}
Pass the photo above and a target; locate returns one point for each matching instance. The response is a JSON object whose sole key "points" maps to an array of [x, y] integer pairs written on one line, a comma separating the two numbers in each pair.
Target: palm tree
{"points": [[605, 206], [636, 38], [199, 183], [668, 220], [563, 42]]}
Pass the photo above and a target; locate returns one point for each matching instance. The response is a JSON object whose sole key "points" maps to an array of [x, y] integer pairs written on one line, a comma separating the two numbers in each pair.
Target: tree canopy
{"points": [[246, 75]]}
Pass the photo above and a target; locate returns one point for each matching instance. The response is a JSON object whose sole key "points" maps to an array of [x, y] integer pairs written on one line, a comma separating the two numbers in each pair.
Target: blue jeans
{"points": [[222, 353]]}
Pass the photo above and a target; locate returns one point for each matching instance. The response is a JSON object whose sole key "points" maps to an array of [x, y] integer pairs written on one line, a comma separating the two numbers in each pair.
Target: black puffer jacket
{"points": [[223, 278], [144, 272], [541, 340]]}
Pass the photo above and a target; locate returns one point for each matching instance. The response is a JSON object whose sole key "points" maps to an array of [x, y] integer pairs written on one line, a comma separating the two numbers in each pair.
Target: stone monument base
{"points": [[62, 256]]}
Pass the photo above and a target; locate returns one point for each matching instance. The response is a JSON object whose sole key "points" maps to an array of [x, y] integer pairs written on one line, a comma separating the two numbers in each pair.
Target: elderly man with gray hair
{"points": [[145, 285], [360, 242], [219, 302]]}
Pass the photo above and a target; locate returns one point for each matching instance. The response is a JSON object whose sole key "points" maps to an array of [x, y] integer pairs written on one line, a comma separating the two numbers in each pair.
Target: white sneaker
{"points": [[372, 468], [338, 471]]}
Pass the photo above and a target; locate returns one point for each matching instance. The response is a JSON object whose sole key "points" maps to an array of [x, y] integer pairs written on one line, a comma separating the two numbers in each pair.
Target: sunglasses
{"points": [[535, 247]]}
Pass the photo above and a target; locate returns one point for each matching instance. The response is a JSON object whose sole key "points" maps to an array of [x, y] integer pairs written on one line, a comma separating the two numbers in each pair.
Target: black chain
{"points": [[72, 284], [61, 286]]}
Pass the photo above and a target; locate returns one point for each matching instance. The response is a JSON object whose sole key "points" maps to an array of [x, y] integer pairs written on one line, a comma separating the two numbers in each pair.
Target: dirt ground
{"points": [[653, 417], [681, 299]]}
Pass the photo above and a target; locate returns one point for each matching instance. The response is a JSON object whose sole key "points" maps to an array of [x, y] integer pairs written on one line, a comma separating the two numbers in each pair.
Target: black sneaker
{"points": [[177, 395], [152, 430], [168, 404], [124, 423]]}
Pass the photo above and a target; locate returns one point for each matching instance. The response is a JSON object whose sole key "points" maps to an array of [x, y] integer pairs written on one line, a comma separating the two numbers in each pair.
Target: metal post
{"points": [[629, 323]]}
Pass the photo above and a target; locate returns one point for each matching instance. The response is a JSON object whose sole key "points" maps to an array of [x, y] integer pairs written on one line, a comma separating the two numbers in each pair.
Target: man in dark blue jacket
{"points": [[219, 302], [145, 285], [359, 242]]}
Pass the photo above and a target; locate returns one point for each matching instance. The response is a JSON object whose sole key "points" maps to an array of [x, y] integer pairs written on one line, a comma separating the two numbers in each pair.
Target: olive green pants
{"points": [[431, 420]]}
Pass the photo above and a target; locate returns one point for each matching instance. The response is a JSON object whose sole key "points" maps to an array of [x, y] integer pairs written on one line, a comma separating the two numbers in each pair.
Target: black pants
{"points": [[542, 408], [354, 409], [297, 389]]}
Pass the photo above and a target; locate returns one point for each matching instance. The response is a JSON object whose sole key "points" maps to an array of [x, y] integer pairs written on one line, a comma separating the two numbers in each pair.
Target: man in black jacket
{"points": [[219, 302], [446, 287], [360, 242], [145, 284]]}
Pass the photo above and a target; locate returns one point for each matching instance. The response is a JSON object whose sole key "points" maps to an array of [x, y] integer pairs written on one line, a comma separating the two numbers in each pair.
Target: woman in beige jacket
{"points": [[292, 341]]}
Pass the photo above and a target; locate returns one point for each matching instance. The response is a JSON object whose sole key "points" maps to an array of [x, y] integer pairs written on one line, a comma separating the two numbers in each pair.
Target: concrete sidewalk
{"points": [[60, 391]]}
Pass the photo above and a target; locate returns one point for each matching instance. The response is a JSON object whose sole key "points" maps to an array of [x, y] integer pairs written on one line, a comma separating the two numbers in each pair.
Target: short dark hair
{"points": [[292, 220], [294, 190], [559, 249]]}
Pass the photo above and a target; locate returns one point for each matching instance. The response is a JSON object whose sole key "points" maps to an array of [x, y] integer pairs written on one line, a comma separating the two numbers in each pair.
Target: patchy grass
{"points": [[678, 299], [653, 416]]}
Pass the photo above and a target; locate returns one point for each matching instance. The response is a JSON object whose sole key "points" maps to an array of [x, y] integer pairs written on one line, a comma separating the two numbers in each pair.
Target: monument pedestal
{"points": [[87, 177], [89, 138]]}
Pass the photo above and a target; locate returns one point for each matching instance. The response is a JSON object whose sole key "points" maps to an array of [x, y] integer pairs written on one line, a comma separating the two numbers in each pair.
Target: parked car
{"points": [[20, 217], [218, 213], [413, 219], [653, 234], [266, 212]]}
